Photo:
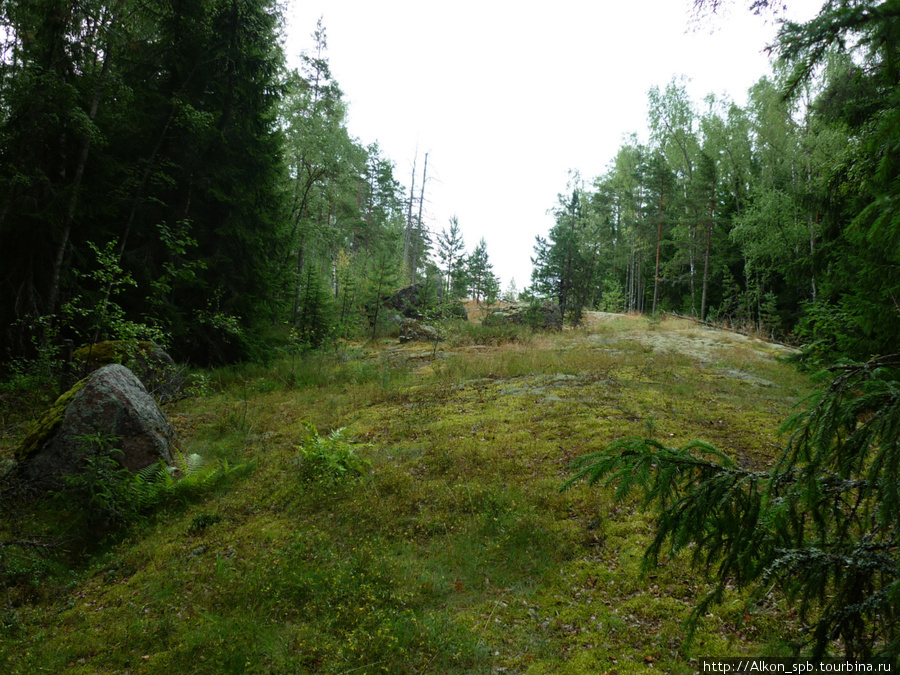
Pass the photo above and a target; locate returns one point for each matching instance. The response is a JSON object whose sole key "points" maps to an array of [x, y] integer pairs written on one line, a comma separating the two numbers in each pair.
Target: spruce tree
{"points": [[479, 273], [450, 251]]}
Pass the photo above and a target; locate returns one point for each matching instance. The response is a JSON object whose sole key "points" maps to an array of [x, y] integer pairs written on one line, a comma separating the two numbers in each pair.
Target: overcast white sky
{"points": [[507, 97]]}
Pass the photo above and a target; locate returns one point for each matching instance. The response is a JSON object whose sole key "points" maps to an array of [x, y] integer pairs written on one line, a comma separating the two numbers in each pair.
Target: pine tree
{"points": [[382, 276], [315, 316], [565, 265]]}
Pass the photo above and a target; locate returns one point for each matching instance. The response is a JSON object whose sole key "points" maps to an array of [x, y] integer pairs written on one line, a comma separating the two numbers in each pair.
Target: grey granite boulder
{"points": [[545, 316], [111, 403], [411, 331]]}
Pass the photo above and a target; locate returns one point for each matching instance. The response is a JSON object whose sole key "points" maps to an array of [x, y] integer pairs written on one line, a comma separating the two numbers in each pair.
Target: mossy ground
{"points": [[455, 553]]}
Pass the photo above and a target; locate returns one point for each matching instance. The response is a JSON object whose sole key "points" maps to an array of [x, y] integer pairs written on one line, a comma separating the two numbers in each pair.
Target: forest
{"points": [[491, 501], [778, 216], [162, 181], [166, 177]]}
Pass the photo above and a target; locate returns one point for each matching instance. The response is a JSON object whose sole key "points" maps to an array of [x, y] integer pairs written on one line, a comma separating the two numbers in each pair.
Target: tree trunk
{"points": [[706, 263], [412, 191], [418, 239], [60, 255], [658, 247], [812, 257]]}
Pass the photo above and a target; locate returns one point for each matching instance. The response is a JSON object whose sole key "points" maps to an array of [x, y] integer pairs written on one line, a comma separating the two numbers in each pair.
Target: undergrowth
{"points": [[426, 533]]}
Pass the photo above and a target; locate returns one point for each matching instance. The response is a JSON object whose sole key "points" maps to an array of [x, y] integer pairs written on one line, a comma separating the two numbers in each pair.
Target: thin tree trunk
{"points": [[415, 255], [812, 257], [706, 263], [693, 265], [658, 247], [629, 280], [300, 257], [412, 192], [60, 255], [640, 280]]}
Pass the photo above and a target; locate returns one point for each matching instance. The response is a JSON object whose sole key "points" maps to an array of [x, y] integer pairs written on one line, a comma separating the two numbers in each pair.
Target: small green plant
{"points": [[101, 317], [202, 521], [330, 459], [441, 318], [103, 486], [111, 496]]}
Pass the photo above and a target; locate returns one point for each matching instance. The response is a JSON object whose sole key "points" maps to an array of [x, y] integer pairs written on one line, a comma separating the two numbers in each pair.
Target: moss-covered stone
{"points": [[46, 424], [111, 404], [101, 354]]}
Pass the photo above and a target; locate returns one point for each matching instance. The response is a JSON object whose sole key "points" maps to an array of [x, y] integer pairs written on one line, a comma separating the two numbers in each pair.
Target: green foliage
{"points": [[161, 163], [202, 521], [479, 274], [315, 313], [830, 333], [331, 459], [450, 250], [382, 276], [490, 334], [613, 297], [105, 319], [106, 496], [456, 545], [751, 215], [534, 314], [565, 264], [822, 524], [109, 494]]}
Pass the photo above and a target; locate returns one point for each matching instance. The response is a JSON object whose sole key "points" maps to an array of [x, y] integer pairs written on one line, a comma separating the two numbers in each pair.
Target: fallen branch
{"points": [[33, 545]]}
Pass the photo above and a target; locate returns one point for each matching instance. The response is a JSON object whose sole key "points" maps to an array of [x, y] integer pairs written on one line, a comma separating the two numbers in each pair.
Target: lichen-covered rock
{"points": [[112, 403], [151, 363], [547, 316], [411, 330]]}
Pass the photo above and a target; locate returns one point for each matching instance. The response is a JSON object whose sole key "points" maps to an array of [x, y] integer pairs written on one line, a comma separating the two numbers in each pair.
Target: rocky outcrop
{"points": [[545, 316], [410, 301], [111, 404], [420, 300], [412, 331]]}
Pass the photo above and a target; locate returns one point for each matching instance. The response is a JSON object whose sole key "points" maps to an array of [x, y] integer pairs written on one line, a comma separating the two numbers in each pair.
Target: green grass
{"points": [[454, 552]]}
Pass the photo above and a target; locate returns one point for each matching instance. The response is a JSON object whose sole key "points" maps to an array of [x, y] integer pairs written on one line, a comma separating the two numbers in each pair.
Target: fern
{"points": [[331, 459], [111, 496]]}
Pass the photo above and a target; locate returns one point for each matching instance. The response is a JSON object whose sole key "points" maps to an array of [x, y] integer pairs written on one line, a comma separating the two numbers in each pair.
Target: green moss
{"points": [[455, 552], [112, 351], [43, 428]]}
